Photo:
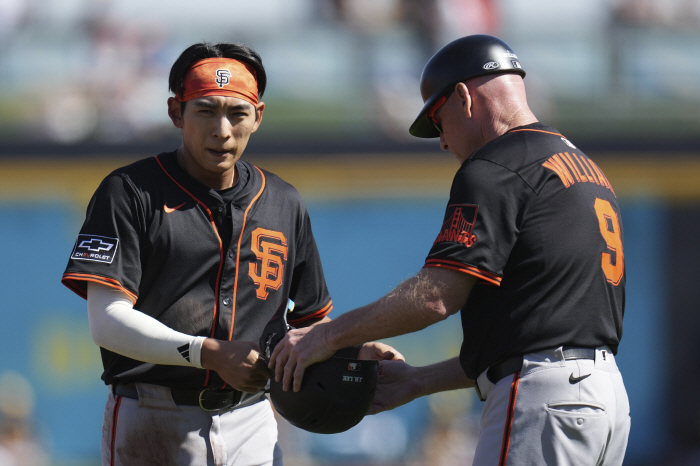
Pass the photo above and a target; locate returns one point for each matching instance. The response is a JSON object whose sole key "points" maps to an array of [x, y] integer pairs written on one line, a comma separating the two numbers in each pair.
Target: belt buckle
{"points": [[203, 401]]}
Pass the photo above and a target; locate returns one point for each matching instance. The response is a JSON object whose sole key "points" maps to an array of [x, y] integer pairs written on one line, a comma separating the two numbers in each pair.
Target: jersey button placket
{"points": [[227, 301]]}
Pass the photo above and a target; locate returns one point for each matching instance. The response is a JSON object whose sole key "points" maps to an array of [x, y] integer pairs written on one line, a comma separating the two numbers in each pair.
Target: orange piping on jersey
{"points": [[74, 288], [509, 419], [238, 250], [221, 254], [572, 166], [536, 131], [459, 267], [321, 313], [110, 282]]}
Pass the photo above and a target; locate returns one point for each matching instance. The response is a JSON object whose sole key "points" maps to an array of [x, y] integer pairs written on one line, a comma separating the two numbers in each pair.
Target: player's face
{"points": [[215, 132]]}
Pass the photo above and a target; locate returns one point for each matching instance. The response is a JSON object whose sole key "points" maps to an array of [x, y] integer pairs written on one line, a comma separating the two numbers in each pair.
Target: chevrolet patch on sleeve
{"points": [[95, 248]]}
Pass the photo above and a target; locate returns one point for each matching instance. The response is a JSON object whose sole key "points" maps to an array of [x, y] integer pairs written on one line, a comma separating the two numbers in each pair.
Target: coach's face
{"points": [[460, 129], [215, 132]]}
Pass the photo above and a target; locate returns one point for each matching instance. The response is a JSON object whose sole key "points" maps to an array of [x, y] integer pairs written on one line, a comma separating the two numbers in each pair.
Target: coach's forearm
{"points": [[384, 318], [423, 300]]}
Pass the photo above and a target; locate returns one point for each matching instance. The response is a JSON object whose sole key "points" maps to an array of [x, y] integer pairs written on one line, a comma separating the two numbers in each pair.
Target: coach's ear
{"points": [[465, 99], [175, 112]]}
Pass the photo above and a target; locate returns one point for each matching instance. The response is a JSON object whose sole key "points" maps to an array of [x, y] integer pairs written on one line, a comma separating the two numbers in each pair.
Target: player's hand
{"points": [[397, 385], [238, 362], [379, 351], [298, 350]]}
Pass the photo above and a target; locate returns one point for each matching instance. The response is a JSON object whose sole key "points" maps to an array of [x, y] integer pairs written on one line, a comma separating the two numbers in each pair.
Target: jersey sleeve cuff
{"points": [[464, 268], [77, 282], [316, 315]]}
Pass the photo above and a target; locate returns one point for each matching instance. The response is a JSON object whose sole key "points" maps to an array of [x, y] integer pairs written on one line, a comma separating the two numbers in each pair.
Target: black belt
{"points": [[207, 399], [509, 366]]}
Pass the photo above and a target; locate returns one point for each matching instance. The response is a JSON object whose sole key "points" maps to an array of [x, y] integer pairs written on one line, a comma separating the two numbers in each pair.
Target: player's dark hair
{"points": [[202, 50]]}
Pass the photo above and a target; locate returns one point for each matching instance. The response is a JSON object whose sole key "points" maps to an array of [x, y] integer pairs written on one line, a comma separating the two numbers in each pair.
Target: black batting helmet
{"points": [[461, 59], [335, 394]]}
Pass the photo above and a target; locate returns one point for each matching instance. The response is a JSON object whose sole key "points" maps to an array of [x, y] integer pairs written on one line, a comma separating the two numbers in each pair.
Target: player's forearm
{"points": [[116, 326]]}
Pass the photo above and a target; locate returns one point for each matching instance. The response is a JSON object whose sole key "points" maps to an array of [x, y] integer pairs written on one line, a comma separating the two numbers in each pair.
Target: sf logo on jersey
{"points": [[458, 225], [269, 247], [222, 77]]}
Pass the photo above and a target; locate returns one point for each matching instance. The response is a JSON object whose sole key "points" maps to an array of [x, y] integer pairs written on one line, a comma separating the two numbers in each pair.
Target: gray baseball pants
{"points": [[153, 430], [555, 412]]}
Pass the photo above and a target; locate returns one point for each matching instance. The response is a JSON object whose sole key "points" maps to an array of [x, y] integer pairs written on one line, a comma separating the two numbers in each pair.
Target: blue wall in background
{"points": [[44, 326], [643, 349], [367, 248]]}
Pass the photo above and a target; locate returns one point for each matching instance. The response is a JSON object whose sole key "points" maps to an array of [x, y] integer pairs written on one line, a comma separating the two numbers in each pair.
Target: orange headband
{"points": [[220, 76]]}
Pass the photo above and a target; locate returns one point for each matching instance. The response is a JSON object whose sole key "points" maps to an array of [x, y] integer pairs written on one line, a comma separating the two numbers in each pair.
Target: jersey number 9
{"points": [[610, 229]]}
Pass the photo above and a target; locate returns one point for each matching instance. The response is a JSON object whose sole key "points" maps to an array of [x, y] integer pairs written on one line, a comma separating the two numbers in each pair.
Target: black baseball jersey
{"points": [[538, 223], [202, 262]]}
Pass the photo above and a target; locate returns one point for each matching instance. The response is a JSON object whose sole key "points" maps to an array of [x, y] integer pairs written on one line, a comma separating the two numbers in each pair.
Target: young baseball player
{"points": [[184, 258], [531, 252]]}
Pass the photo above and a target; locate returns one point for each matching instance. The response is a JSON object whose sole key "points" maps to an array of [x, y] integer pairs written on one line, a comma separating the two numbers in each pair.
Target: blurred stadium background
{"points": [[83, 86]]}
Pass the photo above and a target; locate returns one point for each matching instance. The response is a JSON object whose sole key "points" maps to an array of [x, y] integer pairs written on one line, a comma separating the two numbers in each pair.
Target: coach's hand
{"points": [[237, 362], [379, 351], [298, 350], [397, 385]]}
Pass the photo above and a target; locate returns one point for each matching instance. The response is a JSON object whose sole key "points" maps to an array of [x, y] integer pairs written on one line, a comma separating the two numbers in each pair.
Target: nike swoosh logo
{"points": [[169, 210], [573, 379]]}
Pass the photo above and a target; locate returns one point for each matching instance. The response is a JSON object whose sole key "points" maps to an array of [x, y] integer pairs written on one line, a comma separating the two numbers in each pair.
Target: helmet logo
{"points": [[510, 54], [516, 65], [492, 65]]}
